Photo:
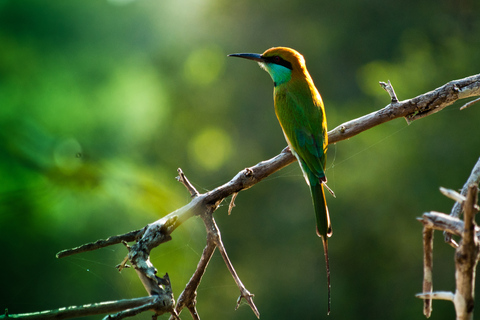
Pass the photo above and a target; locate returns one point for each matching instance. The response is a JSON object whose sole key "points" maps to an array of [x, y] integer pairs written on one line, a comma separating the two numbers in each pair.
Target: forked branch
{"points": [[466, 254]]}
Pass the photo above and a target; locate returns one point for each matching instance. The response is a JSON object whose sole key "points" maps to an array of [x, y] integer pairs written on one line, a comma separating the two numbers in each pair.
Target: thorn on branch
{"points": [[164, 281], [123, 264], [232, 203], [249, 298], [449, 240], [183, 179], [389, 88]]}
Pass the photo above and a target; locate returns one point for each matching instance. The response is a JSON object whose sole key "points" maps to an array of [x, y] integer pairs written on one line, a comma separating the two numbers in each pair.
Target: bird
{"points": [[301, 113]]}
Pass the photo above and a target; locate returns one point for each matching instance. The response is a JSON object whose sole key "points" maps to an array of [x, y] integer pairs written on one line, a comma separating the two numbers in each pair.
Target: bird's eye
{"points": [[277, 59]]}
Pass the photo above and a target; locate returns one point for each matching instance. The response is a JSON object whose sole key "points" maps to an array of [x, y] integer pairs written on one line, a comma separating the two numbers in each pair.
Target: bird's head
{"points": [[279, 62]]}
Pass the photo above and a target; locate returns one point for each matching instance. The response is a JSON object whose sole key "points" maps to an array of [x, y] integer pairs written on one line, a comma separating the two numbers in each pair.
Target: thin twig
{"points": [[183, 179], [86, 310], [188, 298], [127, 237], [232, 203], [389, 88], [214, 232], [469, 104], [131, 312]]}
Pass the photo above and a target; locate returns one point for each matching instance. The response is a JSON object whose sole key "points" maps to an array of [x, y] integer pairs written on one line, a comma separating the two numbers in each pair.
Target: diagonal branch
{"points": [[127, 237], [215, 235], [188, 298], [411, 109], [90, 309], [474, 178]]}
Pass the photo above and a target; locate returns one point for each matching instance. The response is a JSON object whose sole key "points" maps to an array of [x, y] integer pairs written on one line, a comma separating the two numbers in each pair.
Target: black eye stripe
{"points": [[279, 60]]}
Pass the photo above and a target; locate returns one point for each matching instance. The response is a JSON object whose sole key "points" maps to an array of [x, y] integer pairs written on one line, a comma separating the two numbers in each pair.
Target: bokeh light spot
{"points": [[204, 65], [211, 148]]}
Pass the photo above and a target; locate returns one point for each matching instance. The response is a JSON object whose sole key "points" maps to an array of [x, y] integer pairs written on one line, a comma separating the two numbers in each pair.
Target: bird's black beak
{"points": [[249, 56]]}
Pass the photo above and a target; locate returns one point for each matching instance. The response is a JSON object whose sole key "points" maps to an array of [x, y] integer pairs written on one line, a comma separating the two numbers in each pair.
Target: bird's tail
{"points": [[324, 227]]}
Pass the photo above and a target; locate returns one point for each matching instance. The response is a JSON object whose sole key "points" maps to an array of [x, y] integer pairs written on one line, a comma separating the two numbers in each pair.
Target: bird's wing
{"points": [[305, 131]]}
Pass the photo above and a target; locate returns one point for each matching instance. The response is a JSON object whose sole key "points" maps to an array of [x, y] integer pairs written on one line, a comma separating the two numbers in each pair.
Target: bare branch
{"points": [[412, 109], [188, 298], [90, 309], [127, 237], [466, 259], [466, 255], [427, 269]]}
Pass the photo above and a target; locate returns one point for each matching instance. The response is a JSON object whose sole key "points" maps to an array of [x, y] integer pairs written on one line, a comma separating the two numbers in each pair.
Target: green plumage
{"points": [[302, 120]]}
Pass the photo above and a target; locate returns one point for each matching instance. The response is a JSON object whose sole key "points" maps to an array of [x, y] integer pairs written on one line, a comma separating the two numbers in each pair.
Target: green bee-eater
{"points": [[300, 111]]}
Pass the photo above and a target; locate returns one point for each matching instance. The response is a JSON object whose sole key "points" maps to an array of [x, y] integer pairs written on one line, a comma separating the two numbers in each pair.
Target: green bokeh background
{"points": [[101, 102]]}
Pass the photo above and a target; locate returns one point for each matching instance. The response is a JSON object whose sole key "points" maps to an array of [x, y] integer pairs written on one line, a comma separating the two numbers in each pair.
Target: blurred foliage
{"points": [[101, 102]]}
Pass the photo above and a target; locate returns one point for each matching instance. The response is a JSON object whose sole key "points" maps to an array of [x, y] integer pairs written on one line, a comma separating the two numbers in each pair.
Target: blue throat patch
{"points": [[279, 74]]}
